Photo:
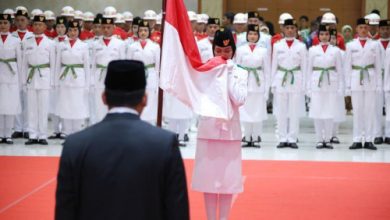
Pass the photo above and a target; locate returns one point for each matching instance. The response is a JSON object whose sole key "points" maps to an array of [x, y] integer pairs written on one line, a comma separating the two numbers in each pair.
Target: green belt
{"points": [[254, 71], [70, 67], [7, 62], [383, 74], [362, 70], [102, 68], [36, 67], [152, 65], [286, 72], [324, 71]]}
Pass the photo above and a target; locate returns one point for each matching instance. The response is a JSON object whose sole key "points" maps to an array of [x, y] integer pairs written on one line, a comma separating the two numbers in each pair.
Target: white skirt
{"points": [[150, 111], [218, 167], [175, 109], [324, 105], [10, 103], [72, 103], [53, 101], [254, 109]]}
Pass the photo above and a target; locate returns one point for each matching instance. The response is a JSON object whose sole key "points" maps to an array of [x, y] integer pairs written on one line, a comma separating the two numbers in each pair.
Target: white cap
{"points": [[36, 12], [373, 18], [159, 19], [202, 18], [67, 11], [128, 16], [119, 19], [264, 28], [50, 16], [150, 15], [328, 18], [10, 12], [21, 8], [240, 18], [192, 16], [109, 12], [78, 15], [283, 17], [88, 16]]}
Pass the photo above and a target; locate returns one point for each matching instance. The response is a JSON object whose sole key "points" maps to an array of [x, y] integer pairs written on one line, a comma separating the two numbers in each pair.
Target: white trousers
{"points": [[38, 111], [335, 129], [179, 126], [21, 122], [379, 114], [363, 103], [387, 130], [57, 123], [324, 128], [6, 125], [288, 123], [71, 126], [253, 130]]}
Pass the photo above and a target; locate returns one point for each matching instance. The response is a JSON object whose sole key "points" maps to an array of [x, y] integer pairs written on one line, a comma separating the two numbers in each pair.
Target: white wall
{"points": [[137, 7]]}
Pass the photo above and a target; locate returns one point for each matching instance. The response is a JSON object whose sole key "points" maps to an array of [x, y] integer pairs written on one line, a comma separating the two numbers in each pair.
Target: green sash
{"points": [[288, 71], [323, 72], [70, 67], [363, 69], [33, 70], [7, 62], [102, 68], [255, 72]]}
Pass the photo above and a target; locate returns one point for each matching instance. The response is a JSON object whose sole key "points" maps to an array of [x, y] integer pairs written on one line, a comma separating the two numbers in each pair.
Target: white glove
{"points": [[348, 92]]}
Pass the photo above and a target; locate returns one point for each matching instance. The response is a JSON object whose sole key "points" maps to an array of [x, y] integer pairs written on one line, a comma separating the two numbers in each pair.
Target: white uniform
{"points": [[386, 88], [288, 84], [38, 76], [218, 151], [254, 111], [73, 82], [324, 84], [205, 49], [10, 62], [150, 56], [102, 55], [380, 99], [363, 79], [264, 40], [21, 124], [177, 114]]}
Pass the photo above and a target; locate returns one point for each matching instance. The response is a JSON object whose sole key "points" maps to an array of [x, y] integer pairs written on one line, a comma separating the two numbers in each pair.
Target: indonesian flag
{"points": [[203, 87]]}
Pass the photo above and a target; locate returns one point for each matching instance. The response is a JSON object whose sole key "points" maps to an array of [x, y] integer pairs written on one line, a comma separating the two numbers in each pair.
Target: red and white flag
{"points": [[203, 87]]}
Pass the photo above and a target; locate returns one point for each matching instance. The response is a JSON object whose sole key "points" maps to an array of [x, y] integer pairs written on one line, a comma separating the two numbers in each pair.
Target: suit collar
{"points": [[121, 116]]}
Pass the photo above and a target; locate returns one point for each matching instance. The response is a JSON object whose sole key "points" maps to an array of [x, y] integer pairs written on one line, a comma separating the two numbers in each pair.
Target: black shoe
{"points": [[255, 145], [248, 144], [8, 141], [282, 145], [369, 145], [320, 145], [356, 145], [26, 135], [186, 138], [43, 142], [258, 139], [61, 136], [54, 136], [31, 142], [293, 145], [328, 145], [378, 140], [245, 140], [17, 134], [334, 140], [387, 140]]}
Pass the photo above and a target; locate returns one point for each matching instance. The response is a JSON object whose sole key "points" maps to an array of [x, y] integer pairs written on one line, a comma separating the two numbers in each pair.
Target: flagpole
{"points": [[160, 91]]}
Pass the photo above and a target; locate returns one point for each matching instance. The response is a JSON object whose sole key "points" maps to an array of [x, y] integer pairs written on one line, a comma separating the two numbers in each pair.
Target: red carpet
{"points": [[273, 190]]}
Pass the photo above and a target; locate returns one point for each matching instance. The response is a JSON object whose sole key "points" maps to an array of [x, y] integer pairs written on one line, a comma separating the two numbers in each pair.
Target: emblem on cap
{"points": [[75, 23], [145, 23], [226, 42], [5, 16], [256, 28], [216, 21], [256, 15], [222, 29], [294, 22], [367, 21], [108, 21], [41, 18], [61, 21], [100, 20]]}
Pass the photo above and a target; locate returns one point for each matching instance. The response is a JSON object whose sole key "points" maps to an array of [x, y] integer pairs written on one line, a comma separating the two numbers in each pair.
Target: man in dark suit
{"points": [[122, 168]]}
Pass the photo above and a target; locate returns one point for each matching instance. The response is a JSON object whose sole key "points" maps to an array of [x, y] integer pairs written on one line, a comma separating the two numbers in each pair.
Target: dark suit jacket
{"points": [[121, 168]]}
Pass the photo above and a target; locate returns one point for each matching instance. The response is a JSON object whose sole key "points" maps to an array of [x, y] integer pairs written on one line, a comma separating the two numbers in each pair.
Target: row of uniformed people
{"points": [[69, 70], [295, 72]]}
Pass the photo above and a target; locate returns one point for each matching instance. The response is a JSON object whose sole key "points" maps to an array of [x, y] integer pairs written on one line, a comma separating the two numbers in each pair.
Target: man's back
{"points": [[114, 170]]}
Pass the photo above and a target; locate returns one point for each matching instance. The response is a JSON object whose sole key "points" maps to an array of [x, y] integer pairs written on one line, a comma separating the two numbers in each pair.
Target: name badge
{"points": [[354, 51]]}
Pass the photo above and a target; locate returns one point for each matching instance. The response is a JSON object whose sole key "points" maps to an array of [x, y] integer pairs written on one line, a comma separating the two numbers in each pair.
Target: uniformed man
{"points": [[239, 26], [387, 90], [205, 45], [148, 52], [288, 84], [86, 32], [68, 13], [384, 32], [201, 23], [104, 50], [50, 22], [10, 62], [373, 20], [128, 16], [330, 20], [38, 77], [22, 21], [363, 80]]}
